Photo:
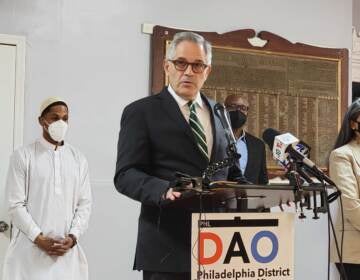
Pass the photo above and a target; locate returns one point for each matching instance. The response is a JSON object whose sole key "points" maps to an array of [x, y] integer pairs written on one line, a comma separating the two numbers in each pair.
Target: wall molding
{"points": [[355, 59]]}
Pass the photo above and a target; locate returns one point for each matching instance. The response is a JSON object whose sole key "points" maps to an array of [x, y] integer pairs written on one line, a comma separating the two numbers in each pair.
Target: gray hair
{"points": [[192, 37]]}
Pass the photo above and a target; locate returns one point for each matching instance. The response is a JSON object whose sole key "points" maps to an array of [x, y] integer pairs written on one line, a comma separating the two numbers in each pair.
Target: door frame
{"points": [[20, 43]]}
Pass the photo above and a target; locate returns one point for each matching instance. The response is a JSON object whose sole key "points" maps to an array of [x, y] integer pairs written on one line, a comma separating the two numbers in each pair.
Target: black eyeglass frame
{"points": [[177, 64], [242, 108]]}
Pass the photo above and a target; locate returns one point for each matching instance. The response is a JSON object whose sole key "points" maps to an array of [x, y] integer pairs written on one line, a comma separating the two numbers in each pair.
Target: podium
{"points": [[228, 245], [251, 198]]}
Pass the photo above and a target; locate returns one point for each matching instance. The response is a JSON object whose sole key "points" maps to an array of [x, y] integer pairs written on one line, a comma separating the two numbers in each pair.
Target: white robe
{"points": [[47, 191]]}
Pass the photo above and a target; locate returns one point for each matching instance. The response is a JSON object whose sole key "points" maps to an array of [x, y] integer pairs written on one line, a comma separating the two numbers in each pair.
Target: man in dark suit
{"points": [[251, 148], [175, 130]]}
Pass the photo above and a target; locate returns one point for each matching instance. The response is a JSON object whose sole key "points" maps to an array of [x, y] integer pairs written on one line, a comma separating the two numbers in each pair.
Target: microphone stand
{"points": [[295, 180], [212, 168], [232, 160], [298, 171]]}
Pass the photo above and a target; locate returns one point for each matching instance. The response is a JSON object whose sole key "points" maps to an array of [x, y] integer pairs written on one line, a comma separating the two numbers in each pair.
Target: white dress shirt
{"points": [[202, 112], [47, 191], [243, 151]]}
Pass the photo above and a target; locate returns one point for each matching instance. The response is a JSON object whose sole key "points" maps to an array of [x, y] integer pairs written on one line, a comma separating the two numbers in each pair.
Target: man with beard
{"points": [[49, 201]]}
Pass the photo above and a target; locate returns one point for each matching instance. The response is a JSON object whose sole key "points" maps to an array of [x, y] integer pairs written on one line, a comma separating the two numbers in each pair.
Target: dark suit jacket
{"points": [[155, 140], [255, 170]]}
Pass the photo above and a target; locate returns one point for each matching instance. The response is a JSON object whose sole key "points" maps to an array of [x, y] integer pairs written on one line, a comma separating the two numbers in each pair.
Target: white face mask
{"points": [[57, 130]]}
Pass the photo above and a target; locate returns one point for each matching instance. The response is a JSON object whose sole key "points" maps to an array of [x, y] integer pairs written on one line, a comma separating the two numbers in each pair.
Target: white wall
{"points": [[93, 54]]}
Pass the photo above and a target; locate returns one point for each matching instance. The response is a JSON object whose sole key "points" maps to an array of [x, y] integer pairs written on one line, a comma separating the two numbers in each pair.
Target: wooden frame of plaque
{"points": [[292, 87]]}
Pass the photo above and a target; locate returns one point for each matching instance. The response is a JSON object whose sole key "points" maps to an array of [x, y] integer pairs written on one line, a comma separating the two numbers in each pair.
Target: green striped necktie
{"points": [[197, 129]]}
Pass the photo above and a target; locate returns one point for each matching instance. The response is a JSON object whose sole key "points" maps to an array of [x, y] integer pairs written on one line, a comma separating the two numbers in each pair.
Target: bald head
{"points": [[236, 102]]}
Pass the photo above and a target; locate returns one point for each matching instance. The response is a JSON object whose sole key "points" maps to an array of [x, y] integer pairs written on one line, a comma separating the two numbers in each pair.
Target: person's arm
{"points": [[81, 217], [134, 160], [16, 197], [342, 173]]}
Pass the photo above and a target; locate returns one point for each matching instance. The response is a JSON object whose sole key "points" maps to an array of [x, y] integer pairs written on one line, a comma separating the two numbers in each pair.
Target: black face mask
{"points": [[237, 118], [358, 127]]}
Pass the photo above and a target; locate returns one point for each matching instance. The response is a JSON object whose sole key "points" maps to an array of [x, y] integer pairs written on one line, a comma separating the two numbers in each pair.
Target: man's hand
{"points": [[170, 194], [61, 247], [54, 247], [44, 243]]}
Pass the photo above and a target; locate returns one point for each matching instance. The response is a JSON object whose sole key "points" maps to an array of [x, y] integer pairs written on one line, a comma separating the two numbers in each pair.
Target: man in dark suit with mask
{"points": [[175, 130], [252, 149]]}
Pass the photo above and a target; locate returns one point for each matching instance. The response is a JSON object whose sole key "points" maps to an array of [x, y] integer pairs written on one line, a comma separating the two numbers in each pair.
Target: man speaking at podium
{"points": [[175, 130]]}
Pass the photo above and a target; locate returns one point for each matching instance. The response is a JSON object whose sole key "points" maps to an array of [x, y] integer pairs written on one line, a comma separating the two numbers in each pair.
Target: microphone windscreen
{"points": [[218, 106], [219, 109], [269, 135]]}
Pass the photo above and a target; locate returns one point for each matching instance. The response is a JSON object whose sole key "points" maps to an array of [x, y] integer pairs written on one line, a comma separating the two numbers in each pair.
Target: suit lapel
{"points": [[215, 124], [171, 108], [355, 148], [251, 151], [252, 155]]}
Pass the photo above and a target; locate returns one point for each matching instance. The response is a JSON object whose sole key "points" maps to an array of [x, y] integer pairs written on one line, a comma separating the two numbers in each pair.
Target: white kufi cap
{"points": [[51, 100]]}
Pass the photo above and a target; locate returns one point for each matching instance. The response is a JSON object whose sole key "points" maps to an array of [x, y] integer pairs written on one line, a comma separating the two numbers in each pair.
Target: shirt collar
{"points": [[182, 102], [242, 137], [48, 145]]}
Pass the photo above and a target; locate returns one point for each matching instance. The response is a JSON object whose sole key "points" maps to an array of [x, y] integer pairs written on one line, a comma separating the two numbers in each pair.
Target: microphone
{"points": [[269, 136], [284, 146], [224, 119], [234, 171]]}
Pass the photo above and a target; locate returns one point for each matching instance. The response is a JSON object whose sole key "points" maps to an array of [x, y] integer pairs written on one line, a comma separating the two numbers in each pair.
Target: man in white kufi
{"points": [[49, 201]]}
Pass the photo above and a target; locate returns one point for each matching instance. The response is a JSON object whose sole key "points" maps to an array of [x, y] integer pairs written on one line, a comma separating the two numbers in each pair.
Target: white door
{"points": [[12, 61]]}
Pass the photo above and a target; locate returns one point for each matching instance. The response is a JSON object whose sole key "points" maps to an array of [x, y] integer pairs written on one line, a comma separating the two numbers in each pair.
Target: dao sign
{"points": [[237, 241], [258, 246]]}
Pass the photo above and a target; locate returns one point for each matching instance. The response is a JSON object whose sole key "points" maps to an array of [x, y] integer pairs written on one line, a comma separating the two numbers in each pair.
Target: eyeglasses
{"points": [[234, 107], [182, 65]]}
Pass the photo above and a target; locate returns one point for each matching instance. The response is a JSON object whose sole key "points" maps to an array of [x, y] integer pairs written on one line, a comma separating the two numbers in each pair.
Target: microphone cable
{"points": [[339, 251], [197, 241]]}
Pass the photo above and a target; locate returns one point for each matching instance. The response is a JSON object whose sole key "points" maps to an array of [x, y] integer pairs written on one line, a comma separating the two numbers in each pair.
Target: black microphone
{"points": [[223, 116], [234, 171], [269, 135], [284, 144]]}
